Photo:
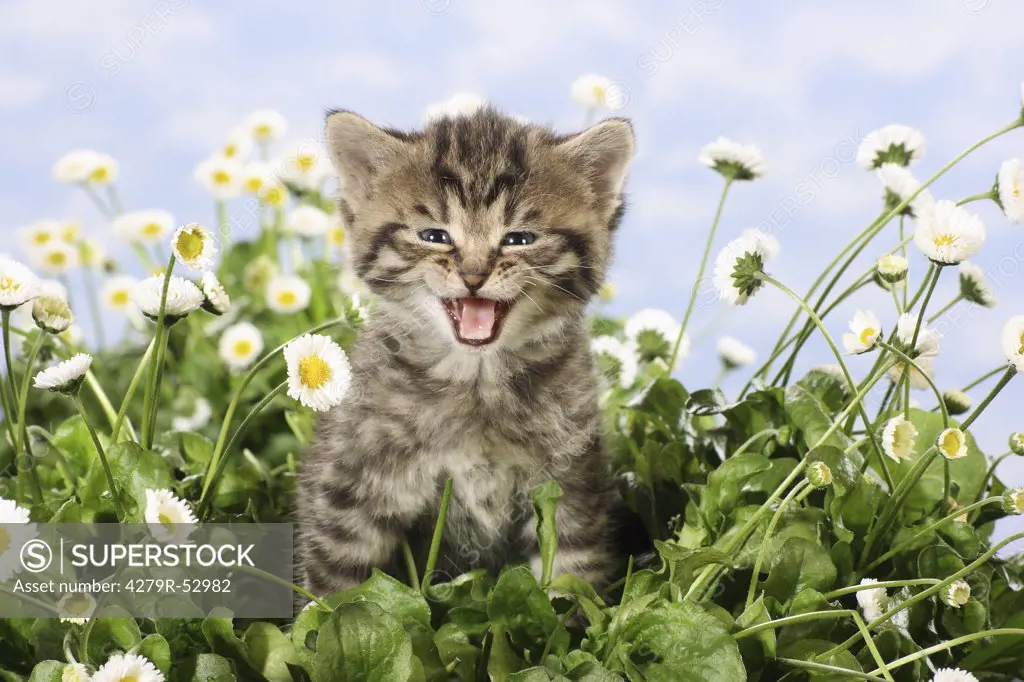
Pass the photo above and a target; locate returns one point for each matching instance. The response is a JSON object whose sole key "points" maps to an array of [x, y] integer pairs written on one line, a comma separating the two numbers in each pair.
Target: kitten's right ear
{"points": [[359, 149]]}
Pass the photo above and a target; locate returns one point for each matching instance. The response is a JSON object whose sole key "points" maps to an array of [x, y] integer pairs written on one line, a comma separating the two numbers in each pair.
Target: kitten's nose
{"points": [[474, 280]]}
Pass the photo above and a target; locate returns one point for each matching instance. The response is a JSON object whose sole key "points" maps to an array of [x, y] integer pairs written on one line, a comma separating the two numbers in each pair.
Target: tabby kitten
{"points": [[484, 238]]}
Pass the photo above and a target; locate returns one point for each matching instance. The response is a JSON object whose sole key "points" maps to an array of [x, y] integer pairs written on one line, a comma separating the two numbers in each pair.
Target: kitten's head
{"points": [[481, 230]]}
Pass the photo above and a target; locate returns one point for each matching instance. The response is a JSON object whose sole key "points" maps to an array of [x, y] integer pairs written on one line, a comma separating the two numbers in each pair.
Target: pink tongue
{"points": [[477, 319]]}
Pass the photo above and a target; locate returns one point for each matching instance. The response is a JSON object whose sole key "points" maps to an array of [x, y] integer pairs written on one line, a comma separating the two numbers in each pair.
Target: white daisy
{"points": [[76, 607], [68, 230], [75, 166], [265, 125], [201, 414], [258, 272], [318, 372], [953, 675], [1010, 189], [273, 193], [18, 284], [899, 438], [128, 668], [952, 444], [91, 253], [15, 531], [873, 601], [1013, 342], [928, 340], [616, 357], [169, 517], [306, 165], [607, 292], [104, 170], [894, 143], [117, 292], [957, 402], [956, 594], [918, 375], [288, 294], [194, 246], [899, 185], [734, 353], [594, 91], [217, 300], [308, 221], [461, 104], [336, 237], [654, 332], [144, 227], [865, 330], [973, 286], [737, 265], [733, 160], [238, 145], [66, 377], [56, 258], [183, 297], [1013, 500], [75, 672], [52, 314], [892, 268], [221, 177], [948, 234], [240, 345], [39, 234], [819, 474], [253, 176]]}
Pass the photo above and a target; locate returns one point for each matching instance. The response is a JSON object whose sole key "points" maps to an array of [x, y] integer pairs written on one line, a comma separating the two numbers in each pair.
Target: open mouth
{"points": [[476, 321]]}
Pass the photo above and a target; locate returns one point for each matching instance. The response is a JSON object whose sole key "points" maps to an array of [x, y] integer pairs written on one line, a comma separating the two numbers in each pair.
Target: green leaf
{"points": [[220, 635], [270, 651], [134, 470], [680, 641], [203, 668], [755, 614], [395, 597], [812, 418], [799, 565], [707, 401], [156, 649], [722, 493], [47, 671], [520, 606], [110, 634], [545, 502], [361, 641]]}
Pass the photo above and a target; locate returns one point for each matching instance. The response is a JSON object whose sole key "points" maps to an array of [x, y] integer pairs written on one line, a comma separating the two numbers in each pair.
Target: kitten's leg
{"points": [[345, 536]]}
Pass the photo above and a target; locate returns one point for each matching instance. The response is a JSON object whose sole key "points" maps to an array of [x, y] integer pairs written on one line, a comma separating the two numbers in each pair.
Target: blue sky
{"points": [[158, 84]]}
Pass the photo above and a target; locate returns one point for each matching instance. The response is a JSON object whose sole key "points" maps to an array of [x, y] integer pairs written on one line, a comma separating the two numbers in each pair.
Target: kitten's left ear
{"points": [[359, 150], [602, 153]]}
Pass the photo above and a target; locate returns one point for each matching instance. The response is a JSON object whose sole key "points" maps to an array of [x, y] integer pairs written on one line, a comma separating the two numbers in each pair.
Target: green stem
{"points": [[11, 411], [207, 496], [435, 542], [755, 576], [103, 457], [1011, 371], [981, 196], [700, 276], [151, 383], [944, 309], [130, 393], [908, 544], [886, 584], [811, 666], [753, 439], [410, 565], [985, 377], [292, 586], [236, 398], [990, 472], [945, 646], [37, 344], [907, 360], [846, 372]]}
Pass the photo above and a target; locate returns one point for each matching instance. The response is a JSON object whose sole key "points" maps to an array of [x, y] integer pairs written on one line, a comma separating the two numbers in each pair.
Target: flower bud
{"points": [[892, 268], [784, 435], [1013, 501], [819, 475], [952, 444], [1017, 443], [52, 314], [956, 594], [607, 292], [957, 402]]}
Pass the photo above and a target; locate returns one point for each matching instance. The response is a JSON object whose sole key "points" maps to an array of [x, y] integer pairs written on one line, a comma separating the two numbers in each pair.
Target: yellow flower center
{"points": [[77, 605], [944, 239], [273, 196], [100, 174], [314, 372], [57, 258], [253, 185], [599, 94], [70, 232], [151, 229], [9, 284], [1021, 349], [305, 162], [337, 236], [5, 540], [190, 245], [230, 150], [262, 130], [242, 348], [287, 298], [166, 520], [40, 238], [221, 177], [950, 443], [902, 441], [867, 337], [120, 298]]}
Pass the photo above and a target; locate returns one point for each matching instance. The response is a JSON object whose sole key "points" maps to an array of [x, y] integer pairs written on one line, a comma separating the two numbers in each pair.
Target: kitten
{"points": [[484, 239]]}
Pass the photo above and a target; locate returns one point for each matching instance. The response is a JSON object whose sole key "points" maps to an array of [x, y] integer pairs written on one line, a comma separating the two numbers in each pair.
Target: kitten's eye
{"points": [[518, 239], [436, 235]]}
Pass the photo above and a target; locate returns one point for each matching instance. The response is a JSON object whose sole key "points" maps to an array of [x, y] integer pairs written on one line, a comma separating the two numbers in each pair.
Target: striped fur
{"points": [[499, 418]]}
